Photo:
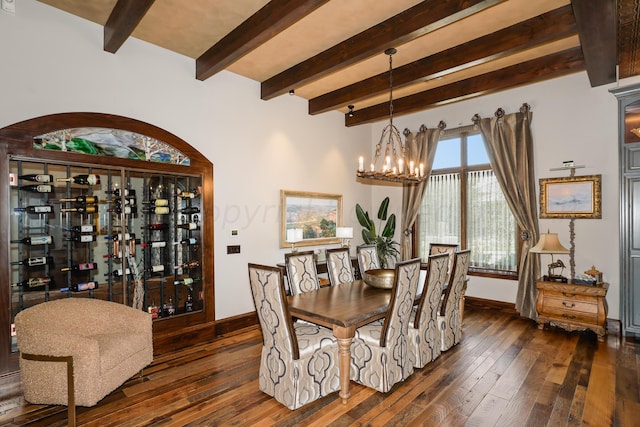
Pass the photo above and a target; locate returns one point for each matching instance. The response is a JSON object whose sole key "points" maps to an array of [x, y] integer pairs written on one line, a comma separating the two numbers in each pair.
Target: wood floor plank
{"points": [[504, 372]]}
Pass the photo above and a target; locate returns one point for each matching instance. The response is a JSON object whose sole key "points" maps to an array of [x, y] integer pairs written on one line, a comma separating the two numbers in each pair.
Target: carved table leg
{"points": [[344, 336]]}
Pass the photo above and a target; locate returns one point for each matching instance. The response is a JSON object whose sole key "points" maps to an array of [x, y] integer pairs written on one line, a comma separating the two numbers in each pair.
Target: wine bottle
{"points": [[169, 308], [188, 265], [158, 244], [85, 228], [116, 254], [79, 287], [188, 226], [188, 304], [153, 310], [81, 209], [155, 269], [157, 210], [120, 236], [38, 188], [187, 194], [81, 267], [89, 179], [35, 283], [157, 202], [82, 199], [37, 177], [35, 240], [33, 262], [127, 210], [160, 226], [35, 209], [119, 192], [190, 210], [190, 241], [128, 201], [187, 281], [119, 272], [84, 238]]}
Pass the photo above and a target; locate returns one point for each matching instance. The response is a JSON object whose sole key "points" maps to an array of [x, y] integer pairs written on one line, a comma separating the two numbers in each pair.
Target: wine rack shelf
{"points": [[126, 230]]}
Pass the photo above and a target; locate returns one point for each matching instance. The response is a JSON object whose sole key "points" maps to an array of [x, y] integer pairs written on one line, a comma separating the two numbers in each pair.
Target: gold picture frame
{"points": [[317, 214], [571, 197]]}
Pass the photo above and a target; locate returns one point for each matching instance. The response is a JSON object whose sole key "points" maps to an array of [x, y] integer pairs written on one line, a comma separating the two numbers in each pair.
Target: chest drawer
{"points": [[573, 305]]}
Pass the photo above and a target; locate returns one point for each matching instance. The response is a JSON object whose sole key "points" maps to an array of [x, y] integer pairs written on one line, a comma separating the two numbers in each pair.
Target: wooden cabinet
{"points": [[106, 207], [573, 307], [629, 157]]}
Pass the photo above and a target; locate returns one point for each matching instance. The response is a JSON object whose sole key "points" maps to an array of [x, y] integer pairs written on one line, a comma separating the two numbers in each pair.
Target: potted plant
{"points": [[387, 248]]}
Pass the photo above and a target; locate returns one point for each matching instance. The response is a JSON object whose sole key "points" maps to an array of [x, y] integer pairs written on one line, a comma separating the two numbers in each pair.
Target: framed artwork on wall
{"points": [[309, 218], [571, 197]]}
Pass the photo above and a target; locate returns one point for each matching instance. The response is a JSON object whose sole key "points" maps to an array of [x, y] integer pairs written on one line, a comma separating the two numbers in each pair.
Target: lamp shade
{"points": [[549, 244], [294, 235], [344, 232]]}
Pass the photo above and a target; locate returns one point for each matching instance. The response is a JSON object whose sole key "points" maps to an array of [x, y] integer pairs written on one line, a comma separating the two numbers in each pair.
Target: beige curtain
{"points": [[422, 147], [509, 145]]}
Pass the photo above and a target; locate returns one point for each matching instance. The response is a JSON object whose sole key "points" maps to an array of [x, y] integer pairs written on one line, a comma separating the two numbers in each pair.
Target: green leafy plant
{"points": [[387, 247]]}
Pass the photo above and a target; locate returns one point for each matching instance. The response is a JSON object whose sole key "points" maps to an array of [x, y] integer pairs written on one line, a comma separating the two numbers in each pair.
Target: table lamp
{"points": [[344, 233], [294, 235], [549, 244]]}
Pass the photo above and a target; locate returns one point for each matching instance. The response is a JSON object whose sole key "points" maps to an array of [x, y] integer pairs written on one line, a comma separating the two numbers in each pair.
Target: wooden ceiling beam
{"points": [[596, 21], [274, 17], [124, 18], [545, 28], [414, 22], [547, 67]]}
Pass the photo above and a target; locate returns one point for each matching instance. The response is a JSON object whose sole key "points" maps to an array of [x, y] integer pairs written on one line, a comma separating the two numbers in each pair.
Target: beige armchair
{"points": [[301, 272], [339, 267], [367, 257], [108, 343]]}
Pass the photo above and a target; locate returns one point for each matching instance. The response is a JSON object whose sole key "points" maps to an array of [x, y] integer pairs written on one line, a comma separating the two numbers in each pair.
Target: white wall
{"points": [[571, 121], [53, 62]]}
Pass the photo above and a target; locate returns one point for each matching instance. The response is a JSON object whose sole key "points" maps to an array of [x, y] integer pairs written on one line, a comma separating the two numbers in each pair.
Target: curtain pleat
{"points": [[422, 147], [509, 144]]}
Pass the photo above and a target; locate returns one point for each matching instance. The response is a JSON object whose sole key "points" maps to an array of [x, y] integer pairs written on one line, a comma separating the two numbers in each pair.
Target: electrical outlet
{"points": [[233, 249]]}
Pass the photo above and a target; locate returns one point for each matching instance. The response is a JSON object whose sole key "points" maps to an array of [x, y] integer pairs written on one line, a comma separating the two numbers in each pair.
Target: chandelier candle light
{"points": [[396, 166]]}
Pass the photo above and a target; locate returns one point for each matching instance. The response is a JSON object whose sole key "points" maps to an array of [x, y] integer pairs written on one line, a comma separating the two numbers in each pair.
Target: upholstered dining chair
{"points": [[380, 352], [339, 267], [299, 361], [441, 248], [424, 335], [449, 319], [302, 273], [367, 257]]}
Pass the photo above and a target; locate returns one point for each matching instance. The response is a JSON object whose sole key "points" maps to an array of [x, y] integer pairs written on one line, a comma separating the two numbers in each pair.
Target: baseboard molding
{"points": [[489, 304], [235, 323]]}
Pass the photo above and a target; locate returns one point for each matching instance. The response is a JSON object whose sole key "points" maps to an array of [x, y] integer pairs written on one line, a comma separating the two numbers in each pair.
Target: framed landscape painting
{"points": [[571, 197], [309, 218]]}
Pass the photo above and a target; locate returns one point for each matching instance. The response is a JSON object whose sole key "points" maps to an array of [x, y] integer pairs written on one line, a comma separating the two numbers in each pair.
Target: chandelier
{"points": [[395, 166]]}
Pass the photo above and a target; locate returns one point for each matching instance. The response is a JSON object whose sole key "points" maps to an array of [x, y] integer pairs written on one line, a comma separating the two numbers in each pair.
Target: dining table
{"points": [[343, 308]]}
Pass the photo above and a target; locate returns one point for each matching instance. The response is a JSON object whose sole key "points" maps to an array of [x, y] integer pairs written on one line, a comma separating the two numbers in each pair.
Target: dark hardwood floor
{"points": [[505, 372]]}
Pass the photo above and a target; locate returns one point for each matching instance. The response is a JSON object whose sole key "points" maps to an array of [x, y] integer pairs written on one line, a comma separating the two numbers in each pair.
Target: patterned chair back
{"points": [[367, 257], [270, 301], [442, 248], [436, 277], [403, 295], [301, 272], [339, 266], [452, 332]]}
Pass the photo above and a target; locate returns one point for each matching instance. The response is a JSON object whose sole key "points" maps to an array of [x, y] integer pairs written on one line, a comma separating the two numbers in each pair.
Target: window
{"points": [[464, 204]]}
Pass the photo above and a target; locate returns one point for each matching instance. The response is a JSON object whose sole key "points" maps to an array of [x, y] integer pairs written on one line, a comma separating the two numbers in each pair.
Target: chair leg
{"points": [[71, 395]]}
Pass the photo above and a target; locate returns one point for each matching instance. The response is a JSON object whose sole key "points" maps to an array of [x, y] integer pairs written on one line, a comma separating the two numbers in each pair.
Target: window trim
{"points": [[463, 170]]}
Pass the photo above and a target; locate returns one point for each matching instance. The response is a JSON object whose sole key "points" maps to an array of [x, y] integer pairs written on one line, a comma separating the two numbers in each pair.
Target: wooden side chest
{"points": [[573, 307]]}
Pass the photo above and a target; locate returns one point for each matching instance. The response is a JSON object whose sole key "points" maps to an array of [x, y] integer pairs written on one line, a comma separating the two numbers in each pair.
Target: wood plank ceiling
{"points": [[332, 52]]}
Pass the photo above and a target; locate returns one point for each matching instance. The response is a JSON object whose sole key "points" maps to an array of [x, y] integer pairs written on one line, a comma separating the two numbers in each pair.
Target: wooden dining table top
{"points": [[344, 305]]}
